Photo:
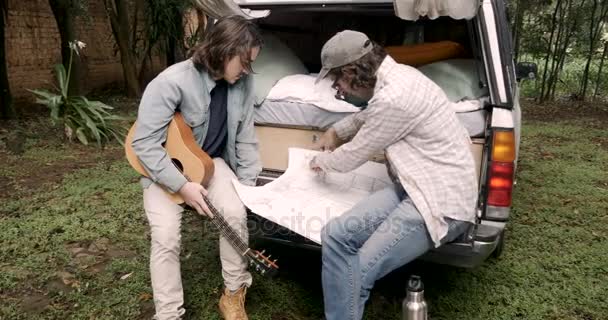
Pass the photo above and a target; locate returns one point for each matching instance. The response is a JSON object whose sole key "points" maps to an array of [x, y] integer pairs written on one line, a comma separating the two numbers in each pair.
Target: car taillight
{"points": [[501, 169]]}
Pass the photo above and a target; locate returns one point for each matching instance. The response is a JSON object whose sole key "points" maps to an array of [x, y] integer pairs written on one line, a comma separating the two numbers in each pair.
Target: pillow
{"points": [[424, 53], [302, 88], [274, 62], [457, 77]]}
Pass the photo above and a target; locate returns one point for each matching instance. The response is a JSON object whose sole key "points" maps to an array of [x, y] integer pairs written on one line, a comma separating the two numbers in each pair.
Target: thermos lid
{"points": [[415, 284]]}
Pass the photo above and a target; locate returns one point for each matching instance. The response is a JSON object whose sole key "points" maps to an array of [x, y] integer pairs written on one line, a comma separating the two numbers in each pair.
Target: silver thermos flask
{"points": [[414, 306]]}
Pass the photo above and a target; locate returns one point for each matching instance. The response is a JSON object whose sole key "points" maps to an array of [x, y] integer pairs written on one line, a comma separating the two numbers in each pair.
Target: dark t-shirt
{"points": [[217, 134]]}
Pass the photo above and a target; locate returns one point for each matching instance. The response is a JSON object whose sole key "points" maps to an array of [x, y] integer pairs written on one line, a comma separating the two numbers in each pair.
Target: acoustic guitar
{"points": [[185, 153], [197, 166]]}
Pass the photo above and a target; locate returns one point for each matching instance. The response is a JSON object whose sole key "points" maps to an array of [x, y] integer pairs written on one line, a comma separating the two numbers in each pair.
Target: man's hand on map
{"points": [[328, 141], [315, 167]]}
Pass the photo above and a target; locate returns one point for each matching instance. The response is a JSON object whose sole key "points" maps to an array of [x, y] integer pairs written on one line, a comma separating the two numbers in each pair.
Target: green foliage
{"points": [[82, 118], [164, 22], [568, 80], [543, 39]]}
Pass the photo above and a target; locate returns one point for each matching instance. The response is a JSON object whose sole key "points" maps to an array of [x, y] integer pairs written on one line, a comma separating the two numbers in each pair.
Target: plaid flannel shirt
{"points": [[427, 148]]}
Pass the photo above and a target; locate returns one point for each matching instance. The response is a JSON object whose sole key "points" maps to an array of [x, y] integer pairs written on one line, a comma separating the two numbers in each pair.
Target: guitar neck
{"points": [[226, 230]]}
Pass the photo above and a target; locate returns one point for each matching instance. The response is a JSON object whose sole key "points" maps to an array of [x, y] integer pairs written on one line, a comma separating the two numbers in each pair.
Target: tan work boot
{"points": [[232, 305]]}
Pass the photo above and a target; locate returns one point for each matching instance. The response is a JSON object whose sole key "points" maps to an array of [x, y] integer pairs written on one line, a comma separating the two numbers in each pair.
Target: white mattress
{"points": [[301, 114], [295, 113]]}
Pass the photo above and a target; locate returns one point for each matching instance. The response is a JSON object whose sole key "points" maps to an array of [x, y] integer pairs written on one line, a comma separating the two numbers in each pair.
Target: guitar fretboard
{"points": [[226, 230]]}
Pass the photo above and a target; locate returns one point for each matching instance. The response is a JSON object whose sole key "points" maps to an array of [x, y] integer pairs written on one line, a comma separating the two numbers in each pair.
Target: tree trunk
{"points": [[549, 50], [595, 26], [561, 46], [7, 111], [146, 57], [119, 21], [555, 52], [171, 51], [517, 28], [175, 42], [64, 16], [561, 58], [599, 71], [133, 40], [146, 63], [585, 77]]}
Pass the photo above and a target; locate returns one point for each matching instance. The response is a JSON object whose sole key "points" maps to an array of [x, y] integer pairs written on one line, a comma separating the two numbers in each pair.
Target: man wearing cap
{"points": [[409, 118]]}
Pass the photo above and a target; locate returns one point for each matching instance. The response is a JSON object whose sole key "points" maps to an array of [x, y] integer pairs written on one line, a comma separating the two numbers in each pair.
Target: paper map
{"points": [[304, 201]]}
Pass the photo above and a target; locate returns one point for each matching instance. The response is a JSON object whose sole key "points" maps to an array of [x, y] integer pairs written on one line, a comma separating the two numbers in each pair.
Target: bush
{"points": [[569, 79], [84, 119]]}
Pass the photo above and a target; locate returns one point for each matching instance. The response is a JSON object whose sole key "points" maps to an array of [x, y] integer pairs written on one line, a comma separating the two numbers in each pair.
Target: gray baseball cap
{"points": [[345, 47]]}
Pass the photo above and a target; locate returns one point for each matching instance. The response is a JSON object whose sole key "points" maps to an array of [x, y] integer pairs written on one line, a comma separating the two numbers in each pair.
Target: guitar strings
{"points": [[229, 232], [222, 222], [236, 241], [229, 235], [226, 233]]}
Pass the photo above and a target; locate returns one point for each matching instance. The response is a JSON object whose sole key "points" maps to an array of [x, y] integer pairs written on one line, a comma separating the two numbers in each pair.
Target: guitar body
{"points": [[185, 153], [197, 166]]}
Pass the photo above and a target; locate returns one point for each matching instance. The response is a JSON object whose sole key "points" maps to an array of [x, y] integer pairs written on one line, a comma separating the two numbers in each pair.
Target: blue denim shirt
{"points": [[183, 87]]}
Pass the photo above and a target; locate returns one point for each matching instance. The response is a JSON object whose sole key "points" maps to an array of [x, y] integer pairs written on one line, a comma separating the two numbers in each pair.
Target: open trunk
{"points": [[283, 125], [303, 30]]}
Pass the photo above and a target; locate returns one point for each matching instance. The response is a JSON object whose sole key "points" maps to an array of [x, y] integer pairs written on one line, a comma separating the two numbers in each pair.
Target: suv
{"points": [[305, 25]]}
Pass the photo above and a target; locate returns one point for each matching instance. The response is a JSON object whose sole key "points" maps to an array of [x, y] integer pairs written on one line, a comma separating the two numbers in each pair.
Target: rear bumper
{"points": [[464, 255], [470, 251]]}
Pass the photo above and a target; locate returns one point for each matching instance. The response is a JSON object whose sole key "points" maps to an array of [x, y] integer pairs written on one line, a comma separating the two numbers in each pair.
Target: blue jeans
{"points": [[378, 235]]}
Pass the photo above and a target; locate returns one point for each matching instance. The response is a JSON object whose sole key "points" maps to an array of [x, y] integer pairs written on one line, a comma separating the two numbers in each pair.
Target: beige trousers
{"points": [[164, 218]]}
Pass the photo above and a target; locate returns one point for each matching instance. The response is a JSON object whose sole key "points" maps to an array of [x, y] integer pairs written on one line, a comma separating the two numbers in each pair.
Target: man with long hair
{"points": [[410, 119], [213, 92]]}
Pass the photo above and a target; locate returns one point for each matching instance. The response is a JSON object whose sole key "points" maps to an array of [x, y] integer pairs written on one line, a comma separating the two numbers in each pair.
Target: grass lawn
{"points": [[75, 242]]}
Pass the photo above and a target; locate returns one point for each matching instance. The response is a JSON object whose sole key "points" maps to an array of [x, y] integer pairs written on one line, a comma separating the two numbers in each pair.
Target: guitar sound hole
{"points": [[178, 164]]}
